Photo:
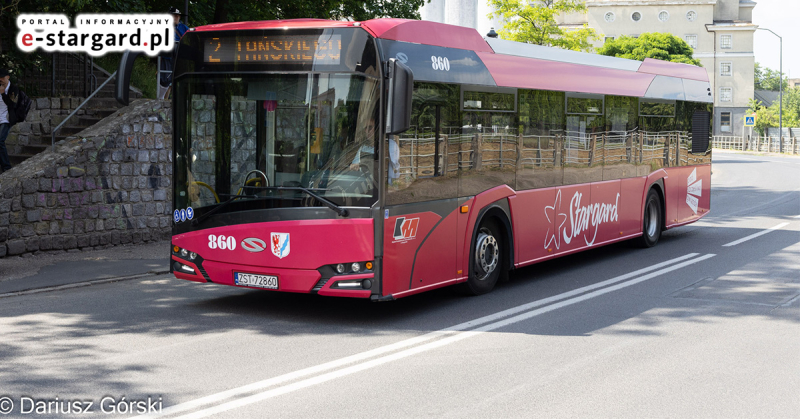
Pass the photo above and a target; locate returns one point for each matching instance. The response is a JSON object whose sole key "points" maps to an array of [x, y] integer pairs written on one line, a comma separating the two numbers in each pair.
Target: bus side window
{"points": [[420, 168], [488, 145], [541, 123]]}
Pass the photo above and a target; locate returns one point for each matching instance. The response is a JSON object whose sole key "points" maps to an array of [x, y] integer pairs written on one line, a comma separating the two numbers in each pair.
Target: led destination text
{"points": [[273, 49]]}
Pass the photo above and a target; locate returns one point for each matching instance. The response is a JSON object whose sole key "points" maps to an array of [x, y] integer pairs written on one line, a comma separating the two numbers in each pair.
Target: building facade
{"points": [[720, 31], [468, 13]]}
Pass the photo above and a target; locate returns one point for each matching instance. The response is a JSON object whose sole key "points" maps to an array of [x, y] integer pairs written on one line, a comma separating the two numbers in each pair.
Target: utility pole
{"points": [[780, 83]]}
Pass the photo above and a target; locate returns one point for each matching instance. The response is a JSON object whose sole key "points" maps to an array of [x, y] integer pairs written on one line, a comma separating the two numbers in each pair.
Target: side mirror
{"points": [[122, 91], [401, 86]]}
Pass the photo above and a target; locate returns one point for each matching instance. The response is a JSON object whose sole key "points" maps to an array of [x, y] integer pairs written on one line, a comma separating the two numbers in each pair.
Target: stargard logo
{"points": [[96, 34]]}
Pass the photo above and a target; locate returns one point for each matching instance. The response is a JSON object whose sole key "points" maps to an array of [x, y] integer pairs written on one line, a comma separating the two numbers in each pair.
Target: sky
{"points": [[783, 17]]}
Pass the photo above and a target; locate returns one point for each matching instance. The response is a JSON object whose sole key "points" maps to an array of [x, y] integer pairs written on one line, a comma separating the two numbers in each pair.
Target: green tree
{"points": [[660, 46], [769, 117], [767, 79], [535, 23]]}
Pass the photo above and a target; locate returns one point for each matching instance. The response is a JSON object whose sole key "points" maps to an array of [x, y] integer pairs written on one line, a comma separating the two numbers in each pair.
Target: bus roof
{"points": [[511, 63]]}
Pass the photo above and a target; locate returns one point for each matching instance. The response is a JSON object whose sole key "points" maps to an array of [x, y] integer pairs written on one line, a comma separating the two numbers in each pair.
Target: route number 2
{"points": [[221, 242], [440, 63]]}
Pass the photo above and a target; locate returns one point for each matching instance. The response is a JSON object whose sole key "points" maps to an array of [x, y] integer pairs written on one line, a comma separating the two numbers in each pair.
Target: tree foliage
{"points": [[659, 46], [769, 117], [535, 23], [768, 79]]}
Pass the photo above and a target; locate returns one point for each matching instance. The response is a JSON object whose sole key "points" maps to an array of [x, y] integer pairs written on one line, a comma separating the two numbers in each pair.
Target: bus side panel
{"points": [[606, 218], [402, 237], [436, 259], [630, 205], [534, 216], [462, 258], [689, 192]]}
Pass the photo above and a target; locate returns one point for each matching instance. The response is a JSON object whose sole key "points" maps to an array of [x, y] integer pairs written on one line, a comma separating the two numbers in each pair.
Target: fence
{"points": [[759, 144]]}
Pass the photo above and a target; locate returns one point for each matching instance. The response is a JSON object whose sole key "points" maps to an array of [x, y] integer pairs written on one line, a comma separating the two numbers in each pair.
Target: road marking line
{"points": [[753, 236], [455, 336], [260, 385]]}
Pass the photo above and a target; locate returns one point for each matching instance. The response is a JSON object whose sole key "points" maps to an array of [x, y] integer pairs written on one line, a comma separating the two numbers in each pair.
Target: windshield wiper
{"points": [[201, 218], [343, 212]]}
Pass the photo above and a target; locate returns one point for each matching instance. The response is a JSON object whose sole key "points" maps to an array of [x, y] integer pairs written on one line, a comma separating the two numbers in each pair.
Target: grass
{"points": [[143, 76]]}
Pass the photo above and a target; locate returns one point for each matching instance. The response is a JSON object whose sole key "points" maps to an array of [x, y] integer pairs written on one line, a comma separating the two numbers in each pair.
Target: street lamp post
{"points": [[780, 83]]}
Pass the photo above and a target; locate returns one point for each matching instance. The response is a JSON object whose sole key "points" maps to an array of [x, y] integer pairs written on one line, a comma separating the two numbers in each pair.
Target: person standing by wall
{"points": [[165, 78]]}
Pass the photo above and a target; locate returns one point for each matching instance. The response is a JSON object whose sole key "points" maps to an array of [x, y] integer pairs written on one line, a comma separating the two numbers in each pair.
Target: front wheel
{"points": [[486, 260], [651, 225]]}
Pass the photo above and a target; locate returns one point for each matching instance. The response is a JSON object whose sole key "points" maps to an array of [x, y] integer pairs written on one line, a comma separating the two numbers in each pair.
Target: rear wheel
{"points": [[486, 260], [651, 224]]}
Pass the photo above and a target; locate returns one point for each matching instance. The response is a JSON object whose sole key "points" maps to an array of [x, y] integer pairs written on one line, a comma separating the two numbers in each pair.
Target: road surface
{"points": [[706, 324]]}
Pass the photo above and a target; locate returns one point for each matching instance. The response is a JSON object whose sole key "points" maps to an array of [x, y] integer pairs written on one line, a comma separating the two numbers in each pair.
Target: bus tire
{"points": [[486, 259], [652, 220]]}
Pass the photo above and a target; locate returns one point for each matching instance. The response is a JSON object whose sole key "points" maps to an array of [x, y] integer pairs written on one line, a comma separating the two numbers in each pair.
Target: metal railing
{"points": [[765, 144], [53, 133]]}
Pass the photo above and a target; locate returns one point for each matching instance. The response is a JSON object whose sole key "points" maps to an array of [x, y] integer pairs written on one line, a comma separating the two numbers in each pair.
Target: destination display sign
{"points": [[292, 49]]}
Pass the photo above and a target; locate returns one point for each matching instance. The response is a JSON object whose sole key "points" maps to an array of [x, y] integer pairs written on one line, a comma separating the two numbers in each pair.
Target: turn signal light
{"points": [[464, 209], [176, 249], [368, 265]]}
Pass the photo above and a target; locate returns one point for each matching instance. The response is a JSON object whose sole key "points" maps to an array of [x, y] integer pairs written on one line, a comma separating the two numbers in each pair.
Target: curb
{"points": [[81, 284]]}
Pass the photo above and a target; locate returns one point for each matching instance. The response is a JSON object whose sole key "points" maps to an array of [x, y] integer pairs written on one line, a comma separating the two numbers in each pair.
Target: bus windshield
{"points": [[263, 138]]}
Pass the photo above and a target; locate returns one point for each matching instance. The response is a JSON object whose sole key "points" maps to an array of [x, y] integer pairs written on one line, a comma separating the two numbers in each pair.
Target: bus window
{"points": [[489, 138], [620, 151], [659, 138], [541, 121], [248, 135], [585, 126], [424, 161]]}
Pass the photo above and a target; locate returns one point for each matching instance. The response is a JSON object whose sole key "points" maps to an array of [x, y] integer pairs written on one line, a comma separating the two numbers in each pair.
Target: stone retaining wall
{"points": [[107, 185], [45, 114]]}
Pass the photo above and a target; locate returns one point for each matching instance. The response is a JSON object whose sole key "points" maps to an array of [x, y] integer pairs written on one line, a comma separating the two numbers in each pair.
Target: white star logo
{"points": [[694, 190], [555, 237]]}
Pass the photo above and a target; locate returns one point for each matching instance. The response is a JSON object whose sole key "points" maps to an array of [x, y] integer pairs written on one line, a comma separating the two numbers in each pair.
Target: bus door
{"points": [[421, 199]]}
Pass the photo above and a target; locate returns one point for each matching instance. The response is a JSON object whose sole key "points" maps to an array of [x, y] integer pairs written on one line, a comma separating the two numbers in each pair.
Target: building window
{"points": [[726, 94], [691, 15], [636, 16], [691, 40], [726, 41], [609, 38], [725, 122], [725, 68], [663, 16], [610, 16]]}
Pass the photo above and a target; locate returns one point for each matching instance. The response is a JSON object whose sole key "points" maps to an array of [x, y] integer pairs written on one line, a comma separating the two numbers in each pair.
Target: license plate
{"points": [[253, 280]]}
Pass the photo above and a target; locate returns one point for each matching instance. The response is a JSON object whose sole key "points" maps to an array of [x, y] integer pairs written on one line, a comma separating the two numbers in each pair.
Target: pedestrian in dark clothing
{"points": [[8, 114], [166, 59]]}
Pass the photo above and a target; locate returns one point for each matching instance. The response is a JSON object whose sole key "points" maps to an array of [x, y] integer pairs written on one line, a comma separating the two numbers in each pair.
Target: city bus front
{"points": [[275, 144]]}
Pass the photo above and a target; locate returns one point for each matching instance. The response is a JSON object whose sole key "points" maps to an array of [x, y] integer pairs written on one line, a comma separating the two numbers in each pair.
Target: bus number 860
{"points": [[221, 242], [440, 63]]}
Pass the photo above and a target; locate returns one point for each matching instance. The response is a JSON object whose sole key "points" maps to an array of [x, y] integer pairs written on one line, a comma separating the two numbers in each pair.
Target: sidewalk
{"points": [[51, 269]]}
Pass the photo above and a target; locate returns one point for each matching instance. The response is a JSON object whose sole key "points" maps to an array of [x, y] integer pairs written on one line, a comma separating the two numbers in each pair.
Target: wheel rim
{"points": [[487, 254], [652, 219]]}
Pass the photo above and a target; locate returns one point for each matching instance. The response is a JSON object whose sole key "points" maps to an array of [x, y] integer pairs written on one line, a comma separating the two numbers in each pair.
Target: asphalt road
{"points": [[705, 324]]}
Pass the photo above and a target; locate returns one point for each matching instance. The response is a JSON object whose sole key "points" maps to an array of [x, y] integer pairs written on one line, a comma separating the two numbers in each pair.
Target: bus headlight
{"points": [[340, 268], [355, 267]]}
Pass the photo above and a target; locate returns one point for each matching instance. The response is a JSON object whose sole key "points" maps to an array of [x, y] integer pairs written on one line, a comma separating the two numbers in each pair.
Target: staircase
{"points": [[99, 107]]}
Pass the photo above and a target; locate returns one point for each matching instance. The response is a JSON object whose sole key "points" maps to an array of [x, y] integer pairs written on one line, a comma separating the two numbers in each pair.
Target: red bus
{"points": [[384, 158]]}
